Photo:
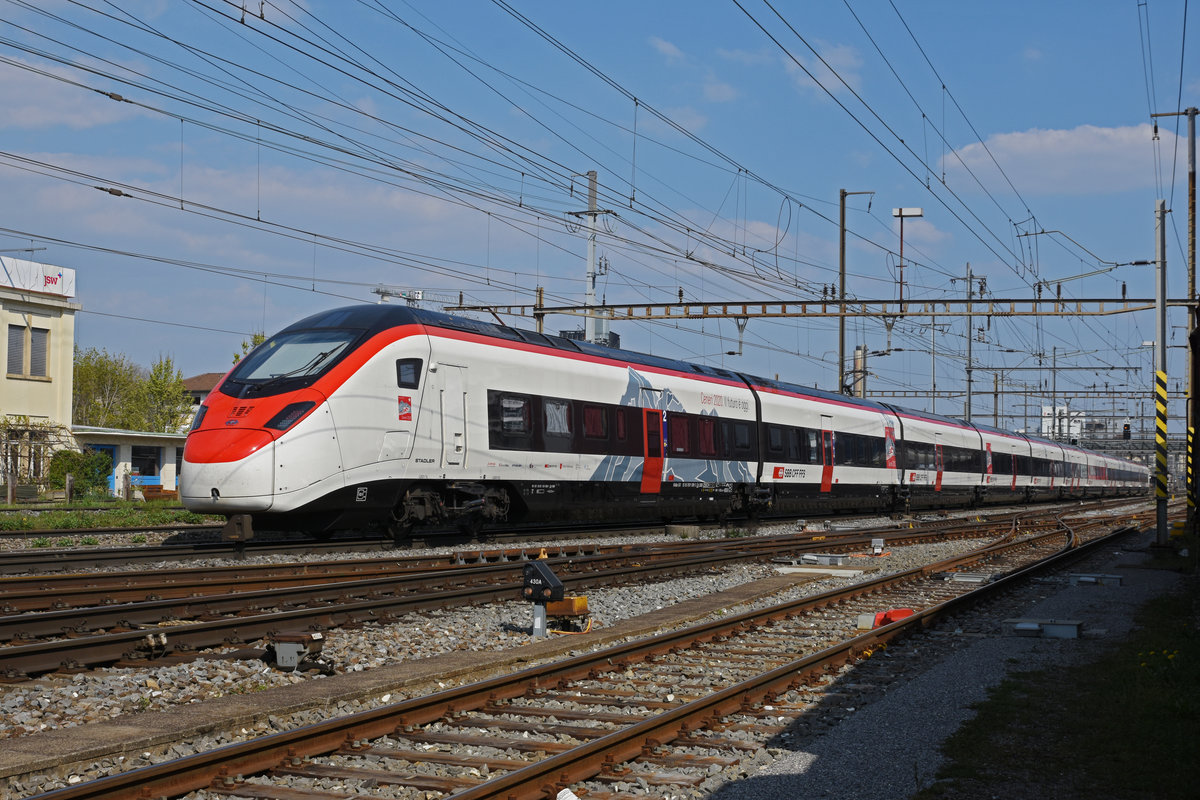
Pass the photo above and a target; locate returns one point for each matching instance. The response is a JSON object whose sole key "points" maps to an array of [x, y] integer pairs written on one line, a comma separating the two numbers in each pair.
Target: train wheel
{"points": [[471, 526], [401, 532]]}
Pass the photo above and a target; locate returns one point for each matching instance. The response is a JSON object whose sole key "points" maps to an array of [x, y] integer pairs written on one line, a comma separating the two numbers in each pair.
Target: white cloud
{"points": [[666, 49], [688, 117], [748, 58], [33, 101], [1085, 160], [718, 91], [842, 59]]}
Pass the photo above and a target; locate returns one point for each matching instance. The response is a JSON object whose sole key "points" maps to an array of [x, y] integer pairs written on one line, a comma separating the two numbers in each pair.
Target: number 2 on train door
{"points": [[652, 462], [827, 446]]}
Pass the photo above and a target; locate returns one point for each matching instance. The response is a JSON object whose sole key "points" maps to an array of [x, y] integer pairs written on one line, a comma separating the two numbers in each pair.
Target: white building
{"points": [[38, 320]]}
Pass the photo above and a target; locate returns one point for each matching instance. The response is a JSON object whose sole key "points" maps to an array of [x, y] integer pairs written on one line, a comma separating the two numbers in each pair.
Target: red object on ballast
{"points": [[890, 616]]}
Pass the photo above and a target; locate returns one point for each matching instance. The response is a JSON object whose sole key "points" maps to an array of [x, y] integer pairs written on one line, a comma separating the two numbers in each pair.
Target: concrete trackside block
{"points": [[824, 558], [1045, 628]]}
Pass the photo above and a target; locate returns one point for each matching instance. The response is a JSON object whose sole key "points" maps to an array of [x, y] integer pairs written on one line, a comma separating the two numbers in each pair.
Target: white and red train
{"points": [[378, 415]]}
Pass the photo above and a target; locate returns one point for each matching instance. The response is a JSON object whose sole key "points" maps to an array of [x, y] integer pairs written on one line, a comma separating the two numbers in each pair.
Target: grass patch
{"points": [[122, 514], [1122, 727]]}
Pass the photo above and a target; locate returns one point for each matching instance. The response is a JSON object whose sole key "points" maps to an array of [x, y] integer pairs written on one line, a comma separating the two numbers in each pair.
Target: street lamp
{"points": [[902, 213], [842, 195]]}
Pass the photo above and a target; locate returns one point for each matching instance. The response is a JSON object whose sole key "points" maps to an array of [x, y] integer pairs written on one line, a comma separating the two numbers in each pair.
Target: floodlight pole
{"points": [[842, 195], [902, 213]]}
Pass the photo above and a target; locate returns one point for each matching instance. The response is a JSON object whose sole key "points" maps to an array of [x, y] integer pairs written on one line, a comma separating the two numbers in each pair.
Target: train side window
{"points": [[846, 446], [708, 437], [558, 417], [515, 414], [595, 422], [878, 452], [814, 449], [621, 432], [793, 445], [774, 440], [510, 421], [678, 432], [408, 373], [741, 436]]}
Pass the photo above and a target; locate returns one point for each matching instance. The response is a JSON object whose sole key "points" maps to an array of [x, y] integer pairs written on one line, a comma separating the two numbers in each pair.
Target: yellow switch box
{"points": [[567, 607]]}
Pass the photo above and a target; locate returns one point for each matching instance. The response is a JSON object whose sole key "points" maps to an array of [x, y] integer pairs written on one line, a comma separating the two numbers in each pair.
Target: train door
{"points": [[652, 451], [827, 445], [454, 415], [939, 466]]}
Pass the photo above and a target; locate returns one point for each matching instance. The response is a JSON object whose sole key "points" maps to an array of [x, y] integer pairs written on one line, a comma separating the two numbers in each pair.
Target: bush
{"points": [[91, 469]]}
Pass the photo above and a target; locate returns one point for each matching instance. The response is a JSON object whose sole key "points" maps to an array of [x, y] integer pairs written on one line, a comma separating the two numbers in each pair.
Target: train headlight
{"points": [[290, 415], [199, 418]]}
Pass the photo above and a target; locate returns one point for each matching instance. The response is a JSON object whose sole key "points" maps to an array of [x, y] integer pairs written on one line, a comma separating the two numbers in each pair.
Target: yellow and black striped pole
{"points": [[1160, 453], [1191, 486]]}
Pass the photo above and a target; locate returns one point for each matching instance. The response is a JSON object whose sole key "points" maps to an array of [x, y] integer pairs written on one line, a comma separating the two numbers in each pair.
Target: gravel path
{"points": [[890, 748]]}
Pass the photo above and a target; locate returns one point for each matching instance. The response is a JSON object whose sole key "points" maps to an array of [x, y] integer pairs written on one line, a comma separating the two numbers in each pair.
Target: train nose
{"points": [[225, 470]]}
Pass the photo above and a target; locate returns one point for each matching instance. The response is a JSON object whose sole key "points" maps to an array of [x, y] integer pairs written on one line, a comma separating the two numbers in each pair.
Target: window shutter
{"points": [[39, 352], [16, 349]]}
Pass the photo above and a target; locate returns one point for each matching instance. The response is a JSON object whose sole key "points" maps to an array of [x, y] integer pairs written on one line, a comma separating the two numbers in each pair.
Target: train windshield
{"points": [[290, 357]]}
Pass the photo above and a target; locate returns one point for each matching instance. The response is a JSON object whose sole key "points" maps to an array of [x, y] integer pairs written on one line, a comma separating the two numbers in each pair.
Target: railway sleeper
{"points": [[500, 743], [240, 789], [554, 729], [629, 775], [376, 777], [559, 713], [435, 757]]}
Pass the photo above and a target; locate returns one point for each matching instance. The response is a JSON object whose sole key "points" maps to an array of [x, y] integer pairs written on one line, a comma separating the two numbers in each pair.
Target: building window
{"points": [[28, 351], [144, 460]]}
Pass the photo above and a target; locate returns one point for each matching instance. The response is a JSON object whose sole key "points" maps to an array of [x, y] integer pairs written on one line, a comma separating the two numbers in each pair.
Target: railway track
{"points": [[180, 620], [83, 589], [131, 620], [41, 561], [655, 715]]}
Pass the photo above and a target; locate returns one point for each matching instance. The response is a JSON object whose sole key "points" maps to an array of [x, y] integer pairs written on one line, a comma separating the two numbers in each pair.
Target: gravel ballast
{"points": [[912, 716], [891, 748]]}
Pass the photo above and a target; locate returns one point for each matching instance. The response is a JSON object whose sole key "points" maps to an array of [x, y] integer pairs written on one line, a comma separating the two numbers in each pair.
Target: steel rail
{"points": [[56, 591], [143, 638]]}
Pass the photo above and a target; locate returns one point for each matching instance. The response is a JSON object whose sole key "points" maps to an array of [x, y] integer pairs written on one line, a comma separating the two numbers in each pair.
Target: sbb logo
{"points": [[778, 473]]}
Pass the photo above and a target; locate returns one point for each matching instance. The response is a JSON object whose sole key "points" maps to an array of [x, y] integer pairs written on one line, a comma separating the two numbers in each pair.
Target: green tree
{"points": [[113, 392], [256, 339], [165, 402], [106, 390]]}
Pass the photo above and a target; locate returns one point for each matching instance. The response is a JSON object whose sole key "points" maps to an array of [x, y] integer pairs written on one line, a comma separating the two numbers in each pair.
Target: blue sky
{"points": [[284, 164]]}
